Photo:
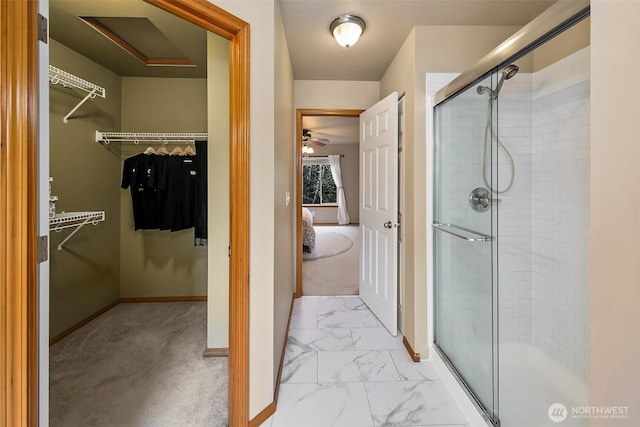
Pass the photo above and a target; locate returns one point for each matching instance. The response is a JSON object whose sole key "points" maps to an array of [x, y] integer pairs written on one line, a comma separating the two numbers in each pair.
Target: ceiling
{"points": [[314, 54], [163, 35], [338, 130]]}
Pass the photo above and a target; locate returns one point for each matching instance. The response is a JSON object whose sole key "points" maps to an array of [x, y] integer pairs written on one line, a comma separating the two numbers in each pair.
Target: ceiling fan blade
{"points": [[318, 142]]}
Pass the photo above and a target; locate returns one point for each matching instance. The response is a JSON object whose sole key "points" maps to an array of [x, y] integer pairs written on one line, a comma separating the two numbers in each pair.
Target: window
{"points": [[318, 187]]}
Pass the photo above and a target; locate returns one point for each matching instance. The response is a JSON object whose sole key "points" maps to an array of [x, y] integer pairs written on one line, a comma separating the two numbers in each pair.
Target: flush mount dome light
{"points": [[346, 29]]}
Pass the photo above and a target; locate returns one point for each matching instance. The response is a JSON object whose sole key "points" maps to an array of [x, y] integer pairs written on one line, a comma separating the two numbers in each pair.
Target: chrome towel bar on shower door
{"points": [[463, 233]]}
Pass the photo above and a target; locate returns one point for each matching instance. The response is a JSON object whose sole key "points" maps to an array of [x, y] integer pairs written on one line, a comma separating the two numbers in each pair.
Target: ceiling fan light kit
{"points": [[347, 29]]}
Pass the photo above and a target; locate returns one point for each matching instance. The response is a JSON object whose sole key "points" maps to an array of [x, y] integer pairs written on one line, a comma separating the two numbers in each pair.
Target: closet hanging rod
{"points": [[138, 137], [58, 76]]}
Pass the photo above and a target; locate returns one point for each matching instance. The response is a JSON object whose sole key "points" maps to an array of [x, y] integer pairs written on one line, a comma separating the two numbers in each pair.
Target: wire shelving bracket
{"points": [[75, 220], [58, 76]]}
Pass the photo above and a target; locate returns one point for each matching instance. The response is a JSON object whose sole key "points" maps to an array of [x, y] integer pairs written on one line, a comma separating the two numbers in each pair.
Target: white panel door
{"points": [[379, 210]]}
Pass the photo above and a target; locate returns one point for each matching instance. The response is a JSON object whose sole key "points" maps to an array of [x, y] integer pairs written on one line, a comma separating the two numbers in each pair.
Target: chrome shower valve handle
{"points": [[480, 199]]}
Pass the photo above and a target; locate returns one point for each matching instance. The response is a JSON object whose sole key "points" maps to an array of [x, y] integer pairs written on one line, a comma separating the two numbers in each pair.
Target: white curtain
{"points": [[343, 215]]}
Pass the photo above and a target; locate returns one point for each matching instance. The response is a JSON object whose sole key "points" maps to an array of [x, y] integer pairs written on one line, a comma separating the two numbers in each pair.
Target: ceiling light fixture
{"points": [[307, 150], [346, 29]]}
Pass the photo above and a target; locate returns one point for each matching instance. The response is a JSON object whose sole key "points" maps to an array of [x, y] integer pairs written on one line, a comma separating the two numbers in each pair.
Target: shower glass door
{"points": [[465, 247]]}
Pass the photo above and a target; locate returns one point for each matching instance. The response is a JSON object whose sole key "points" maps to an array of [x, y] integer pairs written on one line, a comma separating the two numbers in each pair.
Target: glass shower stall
{"points": [[511, 230]]}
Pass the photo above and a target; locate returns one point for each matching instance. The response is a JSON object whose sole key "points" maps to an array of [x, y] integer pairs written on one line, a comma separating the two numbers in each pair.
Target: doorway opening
{"points": [[320, 205], [19, 271]]}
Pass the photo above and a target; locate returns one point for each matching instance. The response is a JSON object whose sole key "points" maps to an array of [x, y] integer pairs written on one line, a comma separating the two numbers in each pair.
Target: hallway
{"points": [[342, 368]]}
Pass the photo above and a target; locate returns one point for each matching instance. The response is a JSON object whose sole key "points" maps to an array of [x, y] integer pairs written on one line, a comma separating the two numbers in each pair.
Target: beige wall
{"points": [[284, 168], [330, 94], [464, 46], [218, 198], [562, 45], [153, 262], [350, 167], [615, 174], [85, 275], [260, 15]]}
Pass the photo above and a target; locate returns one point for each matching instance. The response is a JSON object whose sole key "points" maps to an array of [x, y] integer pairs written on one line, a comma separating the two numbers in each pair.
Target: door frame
{"points": [[300, 113], [19, 208]]}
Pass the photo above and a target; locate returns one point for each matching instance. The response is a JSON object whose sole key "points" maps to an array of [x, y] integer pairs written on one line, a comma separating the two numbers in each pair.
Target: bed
{"points": [[308, 233]]}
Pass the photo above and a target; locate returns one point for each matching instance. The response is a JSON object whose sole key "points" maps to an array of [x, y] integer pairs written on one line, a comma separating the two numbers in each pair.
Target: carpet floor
{"points": [[335, 275], [137, 365]]}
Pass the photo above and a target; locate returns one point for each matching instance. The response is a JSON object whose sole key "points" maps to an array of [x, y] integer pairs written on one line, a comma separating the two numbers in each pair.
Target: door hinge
{"points": [[229, 251], [42, 29], [43, 249]]}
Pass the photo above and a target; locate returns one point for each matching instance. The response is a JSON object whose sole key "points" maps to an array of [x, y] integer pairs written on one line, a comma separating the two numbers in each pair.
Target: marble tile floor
{"points": [[342, 368]]}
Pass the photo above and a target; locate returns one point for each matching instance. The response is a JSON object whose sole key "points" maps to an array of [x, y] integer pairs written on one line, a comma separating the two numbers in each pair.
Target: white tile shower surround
{"points": [[342, 368], [543, 220]]}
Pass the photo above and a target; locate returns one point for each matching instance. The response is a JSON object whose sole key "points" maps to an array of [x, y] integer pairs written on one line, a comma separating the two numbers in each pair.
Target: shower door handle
{"points": [[463, 233]]}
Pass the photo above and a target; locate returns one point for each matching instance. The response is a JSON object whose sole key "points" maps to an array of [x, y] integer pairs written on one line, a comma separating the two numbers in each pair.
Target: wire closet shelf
{"points": [[147, 137], [68, 80]]}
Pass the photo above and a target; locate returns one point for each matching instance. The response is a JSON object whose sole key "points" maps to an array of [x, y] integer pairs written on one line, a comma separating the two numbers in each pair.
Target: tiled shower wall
{"points": [[561, 211], [515, 211]]}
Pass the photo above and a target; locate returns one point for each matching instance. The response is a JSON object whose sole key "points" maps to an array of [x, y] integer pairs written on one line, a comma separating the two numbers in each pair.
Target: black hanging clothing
{"points": [[136, 172], [201, 230], [169, 192], [179, 181]]}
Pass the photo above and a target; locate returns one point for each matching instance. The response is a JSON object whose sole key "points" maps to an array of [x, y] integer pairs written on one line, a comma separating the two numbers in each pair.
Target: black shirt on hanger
{"points": [[136, 172]]}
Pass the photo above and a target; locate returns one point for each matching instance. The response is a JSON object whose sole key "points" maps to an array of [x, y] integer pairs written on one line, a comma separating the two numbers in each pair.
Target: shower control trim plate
{"points": [[480, 199]]}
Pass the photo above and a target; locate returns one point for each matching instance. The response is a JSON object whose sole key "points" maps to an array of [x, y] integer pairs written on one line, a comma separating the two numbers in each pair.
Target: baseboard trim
{"points": [[217, 352], [414, 356], [187, 298], [271, 408], [83, 322]]}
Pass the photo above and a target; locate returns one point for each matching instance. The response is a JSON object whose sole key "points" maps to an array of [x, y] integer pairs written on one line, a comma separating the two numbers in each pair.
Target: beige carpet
{"points": [[328, 243], [335, 275], [139, 365]]}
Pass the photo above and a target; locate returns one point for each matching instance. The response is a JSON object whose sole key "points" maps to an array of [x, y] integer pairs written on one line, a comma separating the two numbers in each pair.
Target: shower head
{"points": [[507, 72], [510, 71]]}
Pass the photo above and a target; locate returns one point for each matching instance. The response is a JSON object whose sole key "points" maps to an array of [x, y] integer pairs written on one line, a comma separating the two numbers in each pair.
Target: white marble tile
{"points": [[322, 405], [375, 339], [307, 319], [412, 403], [318, 303], [350, 366], [410, 370], [329, 339], [348, 319], [354, 303], [300, 363]]}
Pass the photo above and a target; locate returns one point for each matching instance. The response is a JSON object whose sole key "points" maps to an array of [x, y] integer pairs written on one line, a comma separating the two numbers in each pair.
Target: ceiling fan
{"points": [[308, 139]]}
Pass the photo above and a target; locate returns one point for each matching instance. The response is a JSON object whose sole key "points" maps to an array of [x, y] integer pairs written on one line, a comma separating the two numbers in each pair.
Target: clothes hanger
{"points": [[162, 151], [189, 151], [176, 152], [149, 150]]}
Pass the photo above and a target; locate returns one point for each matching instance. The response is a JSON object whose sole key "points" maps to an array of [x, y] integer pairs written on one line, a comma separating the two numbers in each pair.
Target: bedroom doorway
{"points": [[327, 252]]}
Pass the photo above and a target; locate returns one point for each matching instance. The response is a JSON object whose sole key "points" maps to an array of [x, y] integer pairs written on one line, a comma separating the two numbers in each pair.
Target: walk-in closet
{"points": [[139, 217]]}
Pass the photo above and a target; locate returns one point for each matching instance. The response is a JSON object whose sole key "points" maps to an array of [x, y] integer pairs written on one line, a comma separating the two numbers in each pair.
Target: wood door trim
{"points": [[19, 211], [300, 113], [218, 21], [18, 214]]}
